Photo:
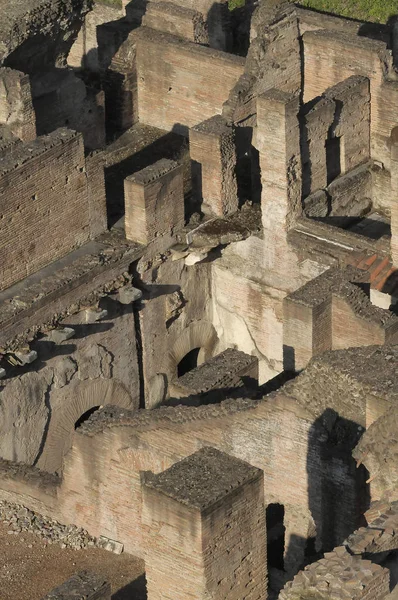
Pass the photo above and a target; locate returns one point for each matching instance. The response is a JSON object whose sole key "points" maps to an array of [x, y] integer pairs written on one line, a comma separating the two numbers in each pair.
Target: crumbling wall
{"points": [[275, 435], [333, 312], [335, 133], [61, 99], [338, 572], [174, 319], [44, 204], [326, 64], [179, 83], [273, 61], [16, 108], [84, 52], [39, 33], [39, 407]]}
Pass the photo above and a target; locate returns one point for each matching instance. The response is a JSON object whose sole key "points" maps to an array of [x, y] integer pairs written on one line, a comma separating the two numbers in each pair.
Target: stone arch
{"points": [[199, 334], [86, 395]]}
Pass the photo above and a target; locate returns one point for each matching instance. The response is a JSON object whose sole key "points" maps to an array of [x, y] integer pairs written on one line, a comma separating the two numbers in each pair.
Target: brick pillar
{"points": [[154, 199], [278, 141], [204, 527], [394, 196], [212, 146]]}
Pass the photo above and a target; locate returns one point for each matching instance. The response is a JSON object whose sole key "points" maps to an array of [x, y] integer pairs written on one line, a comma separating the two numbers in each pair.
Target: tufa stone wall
{"points": [[16, 108], [204, 525]]}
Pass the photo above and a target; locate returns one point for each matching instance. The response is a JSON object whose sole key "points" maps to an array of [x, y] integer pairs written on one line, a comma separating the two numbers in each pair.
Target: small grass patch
{"points": [[111, 3], [377, 11], [232, 4]]}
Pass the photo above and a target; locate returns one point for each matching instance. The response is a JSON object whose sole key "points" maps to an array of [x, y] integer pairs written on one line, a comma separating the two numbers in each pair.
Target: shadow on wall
{"points": [[171, 146], [136, 589], [337, 491]]}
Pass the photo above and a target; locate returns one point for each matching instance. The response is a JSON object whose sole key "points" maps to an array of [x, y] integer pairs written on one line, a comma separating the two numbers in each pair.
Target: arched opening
{"points": [[275, 515], [85, 416], [188, 362]]}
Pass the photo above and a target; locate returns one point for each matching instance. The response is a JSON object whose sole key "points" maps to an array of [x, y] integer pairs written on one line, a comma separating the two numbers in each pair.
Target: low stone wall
{"points": [[84, 586], [339, 575]]}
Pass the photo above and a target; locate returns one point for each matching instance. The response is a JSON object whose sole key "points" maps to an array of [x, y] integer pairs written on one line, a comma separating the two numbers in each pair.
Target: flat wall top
{"points": [[25, 152], [208, 375], [162, 38], [153, 172], [203, 478], [346, 38]]}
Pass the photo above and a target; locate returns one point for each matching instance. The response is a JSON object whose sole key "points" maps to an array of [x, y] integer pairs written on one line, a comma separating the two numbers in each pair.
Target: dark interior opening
{"points": [[333, 158], [189, 362], [275, 514], [85, 416]]}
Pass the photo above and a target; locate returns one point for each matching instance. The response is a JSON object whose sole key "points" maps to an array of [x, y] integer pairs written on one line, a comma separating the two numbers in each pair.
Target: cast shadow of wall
{"points": [[337, 491]]}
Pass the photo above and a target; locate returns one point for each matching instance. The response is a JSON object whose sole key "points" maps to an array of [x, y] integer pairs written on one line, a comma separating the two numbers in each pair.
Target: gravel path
{"points": [[37, 555]]}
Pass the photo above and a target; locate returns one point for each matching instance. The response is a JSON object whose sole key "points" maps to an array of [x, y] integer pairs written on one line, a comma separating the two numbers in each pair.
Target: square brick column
{"points": [[204, 524], [212, 147], [278, 141], [154, 199]]}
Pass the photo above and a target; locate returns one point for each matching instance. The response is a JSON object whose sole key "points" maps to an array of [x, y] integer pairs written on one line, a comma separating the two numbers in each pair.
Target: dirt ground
{"points": [[30, 568]]}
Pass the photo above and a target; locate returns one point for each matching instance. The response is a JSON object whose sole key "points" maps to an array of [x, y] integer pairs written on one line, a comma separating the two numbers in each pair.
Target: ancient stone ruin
{"points": [[199, 297]]}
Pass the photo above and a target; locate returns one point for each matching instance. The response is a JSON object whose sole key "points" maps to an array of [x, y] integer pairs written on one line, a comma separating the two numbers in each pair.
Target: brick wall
{"points": [[177, 20], [179, 83], [342, 114], [262, 435], [154, 203], [212, 146], [44, 206], [307, 331]]}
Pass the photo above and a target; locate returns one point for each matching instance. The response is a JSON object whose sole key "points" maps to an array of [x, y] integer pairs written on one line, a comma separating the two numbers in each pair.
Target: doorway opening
{"points": [[86, 416], [189, 362], [333, 158], [274, 516]]}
